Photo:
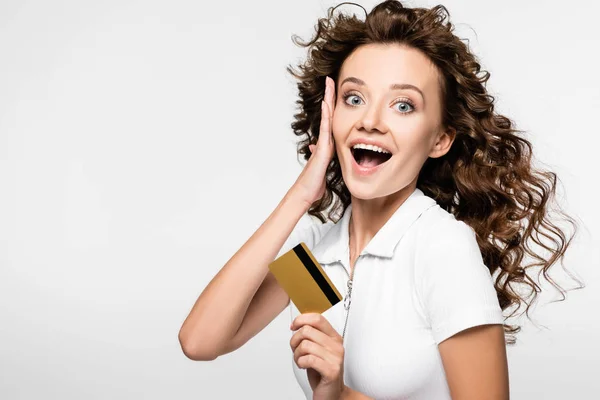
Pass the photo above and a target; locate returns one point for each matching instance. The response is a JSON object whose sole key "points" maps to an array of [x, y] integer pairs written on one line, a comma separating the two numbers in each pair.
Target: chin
{"points": [[363, 190], [368, 188]]}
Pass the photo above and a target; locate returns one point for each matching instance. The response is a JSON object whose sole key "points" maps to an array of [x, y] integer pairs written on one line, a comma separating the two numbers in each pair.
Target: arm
{"points": [[239, 301], [227, 313], [462, 307], [475, 363]]}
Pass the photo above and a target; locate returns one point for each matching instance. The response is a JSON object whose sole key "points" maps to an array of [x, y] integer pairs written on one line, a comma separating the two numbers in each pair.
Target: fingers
{"points": [[317, 321], [315, 327], [310, 341], [327, 108], [318, 364], [325, 128], [330, 95], [330, 370], [317, 345], [330, 100], [315, 335]]}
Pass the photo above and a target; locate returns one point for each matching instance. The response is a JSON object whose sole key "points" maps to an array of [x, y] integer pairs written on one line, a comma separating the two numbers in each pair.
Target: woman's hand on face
{"points": [[319, 349], [310, 185]]}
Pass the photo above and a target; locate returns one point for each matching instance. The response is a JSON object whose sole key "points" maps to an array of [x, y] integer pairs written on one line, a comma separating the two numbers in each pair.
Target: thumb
{"points": [[311, 147]]}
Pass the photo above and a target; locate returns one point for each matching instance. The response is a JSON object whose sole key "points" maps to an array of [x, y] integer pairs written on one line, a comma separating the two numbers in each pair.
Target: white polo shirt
{"points": [[420, 280]]}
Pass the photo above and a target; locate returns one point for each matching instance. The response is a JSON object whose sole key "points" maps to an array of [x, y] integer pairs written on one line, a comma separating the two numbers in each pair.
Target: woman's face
{"points": [[404, 120]]}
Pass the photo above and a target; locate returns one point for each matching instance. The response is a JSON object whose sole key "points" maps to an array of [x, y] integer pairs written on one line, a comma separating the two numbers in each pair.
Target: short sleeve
{"points": [[456, 288], [308, 230]]}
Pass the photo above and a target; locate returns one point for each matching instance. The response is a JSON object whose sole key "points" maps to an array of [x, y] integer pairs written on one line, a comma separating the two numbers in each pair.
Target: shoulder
{"points": [[447, 246], [455, 287], [309, 230], [441, 228], [314, 230]]}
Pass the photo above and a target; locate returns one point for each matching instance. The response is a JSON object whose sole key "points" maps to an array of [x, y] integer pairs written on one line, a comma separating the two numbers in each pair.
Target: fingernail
{"points": [[323, 105]]}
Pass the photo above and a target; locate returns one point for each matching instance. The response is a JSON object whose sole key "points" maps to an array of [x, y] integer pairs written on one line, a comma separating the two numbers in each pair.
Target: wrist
{"points": [[293, 196]]}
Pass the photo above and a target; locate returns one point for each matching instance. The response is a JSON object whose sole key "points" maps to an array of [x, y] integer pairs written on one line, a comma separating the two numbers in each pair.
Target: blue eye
{"points": [[345, 96], [351, 95], [407, 105]]}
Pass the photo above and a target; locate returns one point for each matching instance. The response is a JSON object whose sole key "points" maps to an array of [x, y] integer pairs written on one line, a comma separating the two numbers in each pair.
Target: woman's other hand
{"points": [[310, 185], [319, 349]]}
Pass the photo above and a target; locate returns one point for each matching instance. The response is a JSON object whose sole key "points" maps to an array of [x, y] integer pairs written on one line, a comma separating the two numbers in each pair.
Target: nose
{"points": [[371, 118]]}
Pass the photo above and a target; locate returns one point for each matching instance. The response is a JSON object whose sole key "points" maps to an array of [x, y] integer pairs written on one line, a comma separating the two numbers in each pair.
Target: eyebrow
{"points": [[393, 86]]}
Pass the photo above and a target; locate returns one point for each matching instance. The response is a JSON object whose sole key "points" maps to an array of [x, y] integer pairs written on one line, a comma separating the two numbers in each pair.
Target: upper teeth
{"points": [[370, 147]]}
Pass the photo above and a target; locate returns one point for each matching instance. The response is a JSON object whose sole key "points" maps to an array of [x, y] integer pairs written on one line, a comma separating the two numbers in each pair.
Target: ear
{"points": [[443, 142]]}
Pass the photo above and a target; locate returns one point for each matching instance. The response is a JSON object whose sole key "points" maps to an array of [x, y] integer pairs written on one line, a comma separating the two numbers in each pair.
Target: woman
{"points": [[436, 193]]}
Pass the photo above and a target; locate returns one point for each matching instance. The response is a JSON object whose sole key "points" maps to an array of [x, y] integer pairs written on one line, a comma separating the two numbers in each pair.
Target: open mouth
{"points": [[369, 158]]}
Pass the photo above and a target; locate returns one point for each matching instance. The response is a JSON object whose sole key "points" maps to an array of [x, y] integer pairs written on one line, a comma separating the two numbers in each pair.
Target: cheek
{"points": [[417, 123], [413, 132], [339, 137], [338, 128]]}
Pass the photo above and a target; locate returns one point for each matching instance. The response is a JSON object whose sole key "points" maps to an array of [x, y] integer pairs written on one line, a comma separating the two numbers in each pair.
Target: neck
{"points": [[368, 216]]}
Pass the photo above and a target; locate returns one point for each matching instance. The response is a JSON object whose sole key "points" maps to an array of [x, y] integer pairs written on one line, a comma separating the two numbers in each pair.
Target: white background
{"points": [[143, 142]]}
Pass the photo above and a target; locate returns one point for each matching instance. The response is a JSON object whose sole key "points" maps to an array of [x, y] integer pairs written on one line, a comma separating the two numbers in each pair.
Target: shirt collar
{"points": [[334, 245]]}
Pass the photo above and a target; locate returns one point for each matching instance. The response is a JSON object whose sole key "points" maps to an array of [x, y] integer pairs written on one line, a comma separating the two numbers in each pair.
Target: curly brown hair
{"points": [[486, 179]]}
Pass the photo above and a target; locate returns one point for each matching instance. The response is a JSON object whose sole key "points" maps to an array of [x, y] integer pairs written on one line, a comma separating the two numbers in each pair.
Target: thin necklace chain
{"points": [[348, 300]]}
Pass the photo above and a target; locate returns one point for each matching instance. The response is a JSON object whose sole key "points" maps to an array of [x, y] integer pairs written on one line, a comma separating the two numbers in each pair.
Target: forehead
{"points": [[380, 65]]}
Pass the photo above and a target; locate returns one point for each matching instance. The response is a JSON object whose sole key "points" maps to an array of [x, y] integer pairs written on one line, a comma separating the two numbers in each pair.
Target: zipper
{"points": [[348, 298]]}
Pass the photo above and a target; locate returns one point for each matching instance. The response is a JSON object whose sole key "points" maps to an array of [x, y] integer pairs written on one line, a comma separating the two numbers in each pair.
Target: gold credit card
{"points": [[304, 280]]}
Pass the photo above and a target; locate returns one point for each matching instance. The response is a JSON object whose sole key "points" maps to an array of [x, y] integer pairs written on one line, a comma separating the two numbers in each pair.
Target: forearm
{"points": [[219, 311]]}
